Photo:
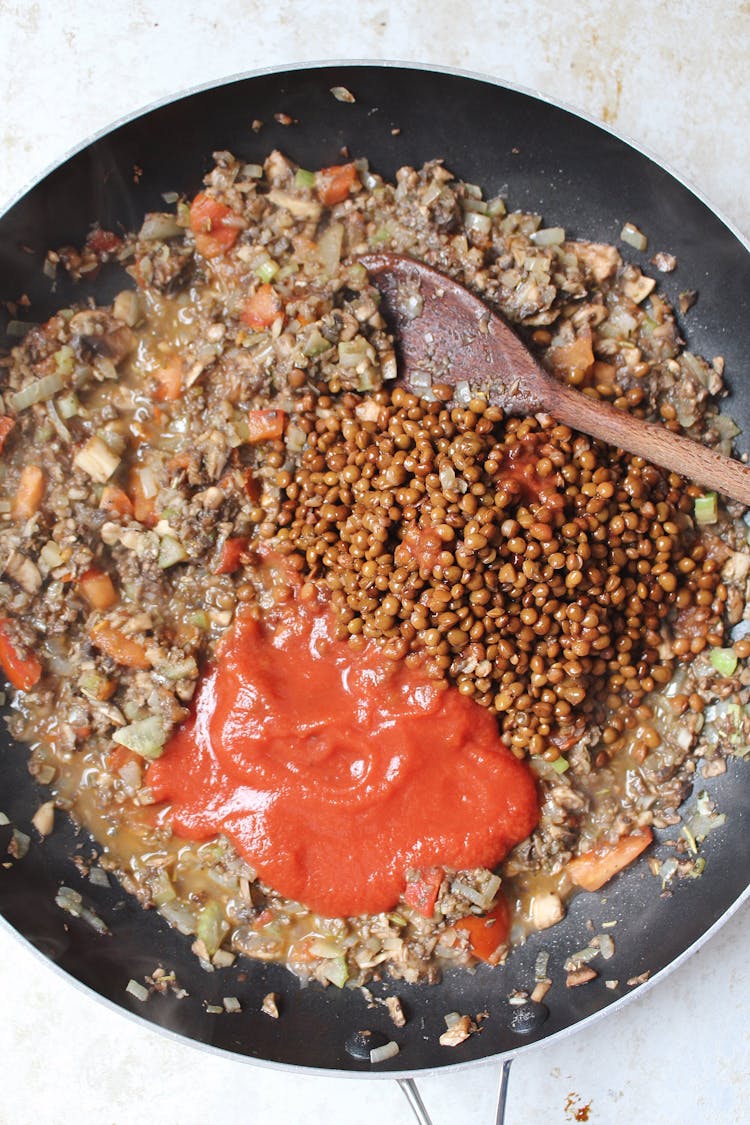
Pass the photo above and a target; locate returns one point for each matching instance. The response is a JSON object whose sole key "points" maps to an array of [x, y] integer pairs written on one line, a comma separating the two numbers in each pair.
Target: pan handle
{"points": [[414, 1098]]}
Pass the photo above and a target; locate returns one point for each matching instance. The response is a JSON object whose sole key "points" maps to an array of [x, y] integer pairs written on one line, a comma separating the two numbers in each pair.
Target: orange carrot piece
{"points": [[596, 867], [118, 646], [6, 425], [97, 588], [115, 500], [265, 425], [207, 222], [120, 756], [21, 667], [488, 933], [231, 555], [144, 507], [29, 493], [262, 308], [169, 380], [334, 184]]}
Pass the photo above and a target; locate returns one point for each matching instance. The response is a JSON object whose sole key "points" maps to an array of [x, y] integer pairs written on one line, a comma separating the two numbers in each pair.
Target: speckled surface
{"points": [[672, 76]]}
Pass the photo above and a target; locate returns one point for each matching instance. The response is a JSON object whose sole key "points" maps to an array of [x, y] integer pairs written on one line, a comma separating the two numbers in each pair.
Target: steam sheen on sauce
{"points": [[334, 770]]}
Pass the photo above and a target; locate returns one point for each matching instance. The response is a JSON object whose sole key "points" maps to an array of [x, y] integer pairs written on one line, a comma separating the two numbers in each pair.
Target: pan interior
{"points": [[578, 176]]}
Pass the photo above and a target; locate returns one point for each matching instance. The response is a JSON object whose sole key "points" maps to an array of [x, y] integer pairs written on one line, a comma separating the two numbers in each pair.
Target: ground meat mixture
{"points": [[236, 403]]}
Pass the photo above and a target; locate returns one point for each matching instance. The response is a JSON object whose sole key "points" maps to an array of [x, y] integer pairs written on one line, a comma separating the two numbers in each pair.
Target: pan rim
{"points": [[575, 111], [392, 64]]}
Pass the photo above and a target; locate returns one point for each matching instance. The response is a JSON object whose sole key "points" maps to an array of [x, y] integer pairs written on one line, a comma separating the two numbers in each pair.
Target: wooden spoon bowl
{"points": [[445, 334]]}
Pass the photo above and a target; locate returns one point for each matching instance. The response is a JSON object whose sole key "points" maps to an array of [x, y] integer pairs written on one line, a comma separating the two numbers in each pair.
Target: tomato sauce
{"points": [[334, 770]]}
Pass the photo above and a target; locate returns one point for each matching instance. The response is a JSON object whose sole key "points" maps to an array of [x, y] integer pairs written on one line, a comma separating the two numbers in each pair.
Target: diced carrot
{"points": [[422, 892], [114, 499], [488, 933], [97, 588], [169, 380], [262, 308], [144, 507], [334, 184], [213, 236], [21, 667], [6, 425], [231, 555], [103, 241], [265, 425], [29, 493], [118, 646], [595, 868], [120, 756]]}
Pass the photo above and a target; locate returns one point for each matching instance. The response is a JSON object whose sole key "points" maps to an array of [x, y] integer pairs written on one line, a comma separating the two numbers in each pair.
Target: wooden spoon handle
{"points": [[650, 440]]}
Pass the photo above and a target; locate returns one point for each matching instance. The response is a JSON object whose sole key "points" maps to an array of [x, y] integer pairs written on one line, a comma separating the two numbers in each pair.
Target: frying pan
{"points": [[578, 176]]}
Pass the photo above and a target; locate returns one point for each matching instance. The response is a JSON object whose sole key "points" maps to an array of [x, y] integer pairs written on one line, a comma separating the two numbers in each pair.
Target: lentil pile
{"points": [[533, 567], [235, 403]]}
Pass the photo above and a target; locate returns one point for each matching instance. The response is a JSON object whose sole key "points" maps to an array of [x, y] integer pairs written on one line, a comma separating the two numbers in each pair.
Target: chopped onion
{"points": [[99, 877], [149, 487], [253, 171], [633, 237], [387, 1051], [159, 226], [420, 380], [179, 916], [480, 224], [548, 236], [478, 206], [329, 247], [231, 1004], [137, 990], [341, 94], [463, 393], [57, 422], [38, 391]]}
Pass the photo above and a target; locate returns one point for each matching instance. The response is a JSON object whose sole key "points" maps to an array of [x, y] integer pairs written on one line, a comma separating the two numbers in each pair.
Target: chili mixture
{"points": [[335, 674]]}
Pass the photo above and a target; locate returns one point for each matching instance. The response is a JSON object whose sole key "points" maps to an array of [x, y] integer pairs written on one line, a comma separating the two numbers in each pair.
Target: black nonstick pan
{"points": [[578, 176]]}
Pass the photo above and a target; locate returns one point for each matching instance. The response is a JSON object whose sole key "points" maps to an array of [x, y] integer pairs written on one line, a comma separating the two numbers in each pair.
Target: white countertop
{"points": [[671, 76]]}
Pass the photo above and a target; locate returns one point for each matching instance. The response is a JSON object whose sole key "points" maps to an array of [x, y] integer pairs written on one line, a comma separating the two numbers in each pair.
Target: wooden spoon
{"points": [[447, 335]]}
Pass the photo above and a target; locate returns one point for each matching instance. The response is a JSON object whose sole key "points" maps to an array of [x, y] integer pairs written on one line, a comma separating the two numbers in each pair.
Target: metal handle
{"points": [[414, 1098]]}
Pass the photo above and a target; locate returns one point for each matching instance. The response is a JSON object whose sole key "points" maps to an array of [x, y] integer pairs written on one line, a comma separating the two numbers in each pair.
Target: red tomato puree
{"points": [[333, 770]]}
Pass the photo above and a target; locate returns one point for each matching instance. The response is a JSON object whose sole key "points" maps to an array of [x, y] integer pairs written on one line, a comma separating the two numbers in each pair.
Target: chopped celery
{"points": [[335, 971], [145, 737], [705, 508], [267, 270], [68, 405], [304, 179], [64, 359], [212, 926], [724, 661], [171, 552], [316, 344], [325, 947], [560, 765], [94, 685], [162, 890], [380, 235]]}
